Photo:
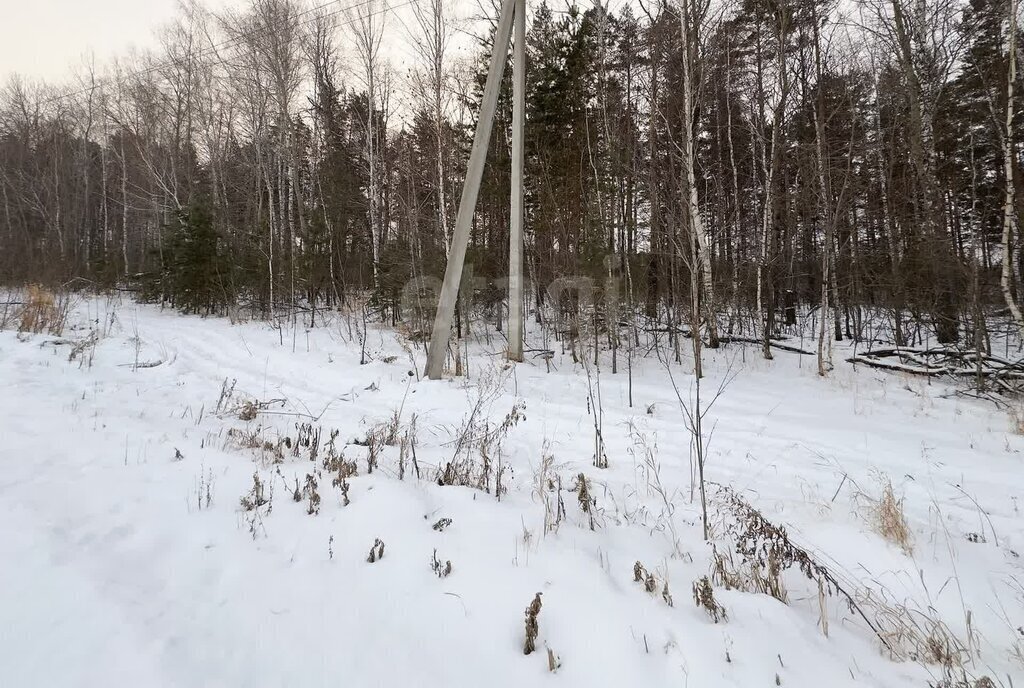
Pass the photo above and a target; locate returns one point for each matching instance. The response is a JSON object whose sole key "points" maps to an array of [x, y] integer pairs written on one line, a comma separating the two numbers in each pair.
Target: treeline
{"points": [[727, 164]]}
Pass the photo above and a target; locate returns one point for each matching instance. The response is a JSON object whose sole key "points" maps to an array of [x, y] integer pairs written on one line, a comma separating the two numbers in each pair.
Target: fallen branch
{"points": [[942, 362], [142, 364]]}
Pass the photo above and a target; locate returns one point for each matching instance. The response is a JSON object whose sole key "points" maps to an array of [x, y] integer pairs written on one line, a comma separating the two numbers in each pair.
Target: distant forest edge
{"points": [[727, 166]]}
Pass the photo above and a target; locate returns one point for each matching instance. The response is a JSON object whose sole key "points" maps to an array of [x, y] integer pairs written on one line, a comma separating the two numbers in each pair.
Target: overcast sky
{"points": [[46, 38], [49, 39]]}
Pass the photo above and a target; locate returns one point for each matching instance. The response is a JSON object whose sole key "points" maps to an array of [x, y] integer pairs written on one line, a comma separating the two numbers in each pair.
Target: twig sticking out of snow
{"points": [[440, 570]]}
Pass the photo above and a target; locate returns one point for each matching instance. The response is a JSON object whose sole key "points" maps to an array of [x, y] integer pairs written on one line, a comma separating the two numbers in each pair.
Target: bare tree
{"points": [[432, 43], [322, 55], [248, 83], [368, 22]]}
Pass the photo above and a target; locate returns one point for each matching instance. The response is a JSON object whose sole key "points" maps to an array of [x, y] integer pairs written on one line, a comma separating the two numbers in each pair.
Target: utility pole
{"points": [[515, 235], [510, 10]]}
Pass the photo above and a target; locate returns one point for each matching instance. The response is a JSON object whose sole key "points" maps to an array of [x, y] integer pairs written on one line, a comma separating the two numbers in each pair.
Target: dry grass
{"points": [[652, 584], [257, 496], [8, 313], [1017, 420], [532, 625], [266, 450], [553, 661], [478, 459], [547, 488], [407, 449], [888, 519], [310, 490], [43, 311], [586, 501], [765, 553], [1017, 642], [916, 635], [704, 596]]}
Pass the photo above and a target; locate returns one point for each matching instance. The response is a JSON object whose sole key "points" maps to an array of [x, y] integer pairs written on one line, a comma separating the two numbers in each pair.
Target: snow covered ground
{"points": [[128, 559]]}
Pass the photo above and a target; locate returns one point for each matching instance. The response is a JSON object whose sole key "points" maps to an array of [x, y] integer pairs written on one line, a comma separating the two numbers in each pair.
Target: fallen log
{"points": [[775, 343]]}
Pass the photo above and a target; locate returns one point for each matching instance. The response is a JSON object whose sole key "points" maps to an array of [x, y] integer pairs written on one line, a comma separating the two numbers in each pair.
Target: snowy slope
{"points": [[126, 557]]}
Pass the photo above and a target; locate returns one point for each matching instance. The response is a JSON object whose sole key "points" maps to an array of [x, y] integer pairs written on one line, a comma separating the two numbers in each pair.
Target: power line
{"points": [[239, 38]]}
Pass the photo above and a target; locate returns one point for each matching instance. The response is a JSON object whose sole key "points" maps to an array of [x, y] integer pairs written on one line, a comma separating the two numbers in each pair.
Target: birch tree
{"points": [[1009, 204], [367, 21], [692, 15]]}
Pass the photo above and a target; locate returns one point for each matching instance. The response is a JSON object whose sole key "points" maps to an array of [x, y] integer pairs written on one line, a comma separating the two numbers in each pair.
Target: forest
{"points": [[729, 166]]}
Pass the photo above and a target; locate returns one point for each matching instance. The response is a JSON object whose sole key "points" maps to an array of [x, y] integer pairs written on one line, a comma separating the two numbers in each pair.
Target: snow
{"points": [[114, 569]]}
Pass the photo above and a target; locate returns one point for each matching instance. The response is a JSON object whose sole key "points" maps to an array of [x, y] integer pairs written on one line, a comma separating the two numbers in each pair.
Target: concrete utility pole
{"points": [[510, 10], [515, 235]]}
